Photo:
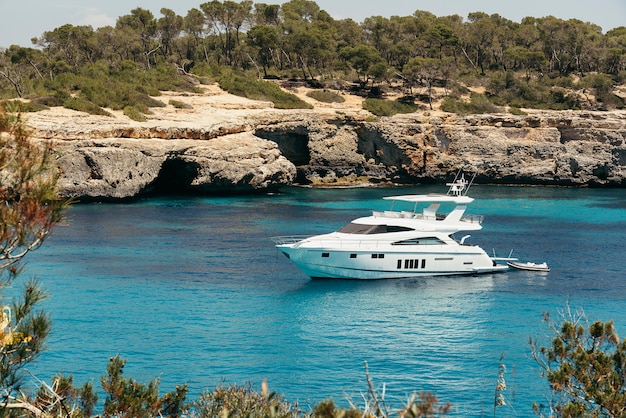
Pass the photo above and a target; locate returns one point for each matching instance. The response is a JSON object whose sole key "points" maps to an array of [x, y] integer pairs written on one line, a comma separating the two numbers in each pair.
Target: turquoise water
{"points": [[191, 290]]}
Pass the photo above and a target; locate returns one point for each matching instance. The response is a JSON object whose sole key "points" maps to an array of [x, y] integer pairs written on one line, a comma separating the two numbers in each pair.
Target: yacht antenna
{"points": [[471, 182], [460, 186]]}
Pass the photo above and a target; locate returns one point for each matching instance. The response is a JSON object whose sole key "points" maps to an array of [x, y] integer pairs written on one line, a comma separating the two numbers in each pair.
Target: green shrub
{"points": [[481, 104], [261, 90], [128, 84], [207, 72], [603, 87], [129, 398], [380, 107], [516, 111], [328, 409], [21, 106], [565, 82], [48, 101], [325, 96], [243, 401], [584, 363], [478, 104], [547, 93], [452, 105], [61, 96], [179, 105], [74, 398], [82, 105], [147, 101], [135, 114]]}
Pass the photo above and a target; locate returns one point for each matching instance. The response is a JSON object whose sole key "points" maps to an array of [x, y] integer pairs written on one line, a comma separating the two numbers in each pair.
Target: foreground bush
{"points": [[128, 398], [585, 364], [243, 401], [125, 397], [29, 209]]}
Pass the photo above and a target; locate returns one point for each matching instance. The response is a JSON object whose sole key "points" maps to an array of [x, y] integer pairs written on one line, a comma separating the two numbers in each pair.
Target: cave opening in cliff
{"points": [[293, 146], [175, 177]]}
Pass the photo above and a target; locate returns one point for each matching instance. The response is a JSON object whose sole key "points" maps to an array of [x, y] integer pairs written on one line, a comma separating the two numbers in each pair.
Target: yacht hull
{"points": [[367, 265]]}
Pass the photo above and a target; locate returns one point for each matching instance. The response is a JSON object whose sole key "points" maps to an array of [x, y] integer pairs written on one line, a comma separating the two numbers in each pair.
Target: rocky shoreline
{"points": [[227, 144]]}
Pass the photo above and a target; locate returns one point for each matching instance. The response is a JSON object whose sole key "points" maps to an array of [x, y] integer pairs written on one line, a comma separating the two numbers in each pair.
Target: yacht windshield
{"points": [[421, 241], [354, 228]]}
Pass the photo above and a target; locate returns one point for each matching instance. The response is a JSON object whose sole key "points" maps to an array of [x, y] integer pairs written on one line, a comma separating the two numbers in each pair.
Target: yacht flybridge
{"points": [[398, 243]]}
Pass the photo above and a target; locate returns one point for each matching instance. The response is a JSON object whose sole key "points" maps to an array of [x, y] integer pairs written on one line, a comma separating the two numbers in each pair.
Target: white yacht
{"points": [[398, 243]]}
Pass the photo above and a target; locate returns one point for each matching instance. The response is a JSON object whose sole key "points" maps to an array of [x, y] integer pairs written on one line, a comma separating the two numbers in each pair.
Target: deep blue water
{"points": [[191, 290]]}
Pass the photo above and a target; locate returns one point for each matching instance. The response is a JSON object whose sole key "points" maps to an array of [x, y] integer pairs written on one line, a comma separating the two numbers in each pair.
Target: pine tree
{"points": [[584, 364], [29, 208]]}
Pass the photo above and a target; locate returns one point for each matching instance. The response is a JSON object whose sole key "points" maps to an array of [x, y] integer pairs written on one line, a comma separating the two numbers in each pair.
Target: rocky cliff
{"points": [[227, 144]]}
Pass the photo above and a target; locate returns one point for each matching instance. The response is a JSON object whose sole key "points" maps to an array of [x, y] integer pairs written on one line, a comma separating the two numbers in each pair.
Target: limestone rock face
{"points": [[225, 144], [237, 163], [112, 169], [549, 148], [106, 169]]}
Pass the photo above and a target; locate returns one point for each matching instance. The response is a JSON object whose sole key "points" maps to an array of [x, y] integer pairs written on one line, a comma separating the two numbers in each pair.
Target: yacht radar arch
{"points": [[460, 186]]}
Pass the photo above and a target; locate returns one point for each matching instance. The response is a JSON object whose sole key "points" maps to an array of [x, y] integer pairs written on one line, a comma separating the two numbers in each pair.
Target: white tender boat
{"points": [[530, 266], [398, 243]]}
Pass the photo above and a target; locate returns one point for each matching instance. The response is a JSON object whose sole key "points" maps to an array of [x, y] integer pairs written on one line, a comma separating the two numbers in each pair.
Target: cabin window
{"points": [[420, 241], [354, 228], [352, 255], [396, 228], [412, 264], [378, 255], [324, 255]]}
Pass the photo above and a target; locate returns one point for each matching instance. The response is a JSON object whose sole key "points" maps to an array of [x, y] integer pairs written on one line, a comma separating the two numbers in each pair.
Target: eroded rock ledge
{"points": [[249, 147], [111, 169]]}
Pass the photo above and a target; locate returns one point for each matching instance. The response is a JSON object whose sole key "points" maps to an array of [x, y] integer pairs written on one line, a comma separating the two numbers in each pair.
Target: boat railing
{"points": [[473, 219], [353, 244], [406, 214], [289, 239]]}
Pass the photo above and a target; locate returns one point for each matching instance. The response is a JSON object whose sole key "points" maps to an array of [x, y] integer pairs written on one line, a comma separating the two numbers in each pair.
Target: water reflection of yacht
{"points": [[397, 243]]}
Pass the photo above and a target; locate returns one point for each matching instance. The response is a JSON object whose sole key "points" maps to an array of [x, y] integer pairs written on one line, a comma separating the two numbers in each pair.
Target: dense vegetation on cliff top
{"points": [[474, 63]]}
